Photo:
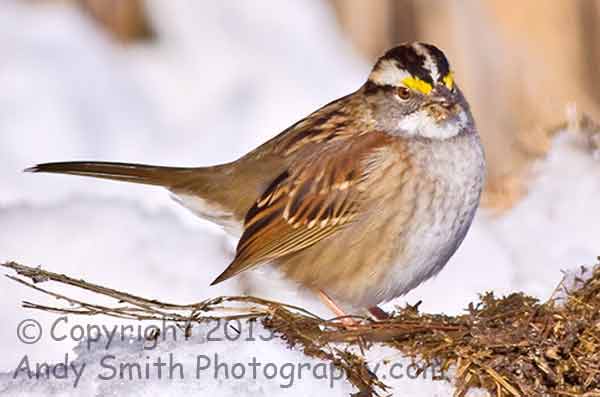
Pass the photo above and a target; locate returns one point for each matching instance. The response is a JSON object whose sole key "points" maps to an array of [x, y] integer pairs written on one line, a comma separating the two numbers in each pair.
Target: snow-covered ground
{"points": [[223, 77]]}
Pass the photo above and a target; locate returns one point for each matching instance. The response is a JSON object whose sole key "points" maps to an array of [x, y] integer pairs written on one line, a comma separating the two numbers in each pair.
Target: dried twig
{"points": [[511, 346]]}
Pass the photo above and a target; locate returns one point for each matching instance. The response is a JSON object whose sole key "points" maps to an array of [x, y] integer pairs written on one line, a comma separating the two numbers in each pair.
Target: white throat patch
{"points": [[420, 123]]}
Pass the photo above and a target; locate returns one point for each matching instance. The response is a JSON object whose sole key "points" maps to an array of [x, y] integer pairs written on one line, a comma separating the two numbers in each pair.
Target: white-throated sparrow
{"points": [[362, 200]]}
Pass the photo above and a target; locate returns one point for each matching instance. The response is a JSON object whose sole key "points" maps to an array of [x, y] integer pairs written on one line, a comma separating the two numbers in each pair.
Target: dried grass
{"points": [[511, 346]]}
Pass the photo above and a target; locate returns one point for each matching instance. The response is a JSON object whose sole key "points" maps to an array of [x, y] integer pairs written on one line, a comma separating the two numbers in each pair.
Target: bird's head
{"points": [[412, 92]]}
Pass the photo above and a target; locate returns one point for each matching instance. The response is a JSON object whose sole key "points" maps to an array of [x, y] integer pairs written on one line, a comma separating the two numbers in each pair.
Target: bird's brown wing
{"points": [[310, 201]]}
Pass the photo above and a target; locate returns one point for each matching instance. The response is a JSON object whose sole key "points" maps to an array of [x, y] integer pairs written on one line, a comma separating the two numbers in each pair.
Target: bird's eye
{"points": [[403, 93]]}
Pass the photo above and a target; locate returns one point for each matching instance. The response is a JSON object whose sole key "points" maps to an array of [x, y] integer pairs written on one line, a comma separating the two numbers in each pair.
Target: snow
{"points": [[223, 77]]}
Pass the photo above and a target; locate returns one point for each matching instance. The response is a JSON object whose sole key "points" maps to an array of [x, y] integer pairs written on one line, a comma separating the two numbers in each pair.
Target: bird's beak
{"points": [[442, 108]]}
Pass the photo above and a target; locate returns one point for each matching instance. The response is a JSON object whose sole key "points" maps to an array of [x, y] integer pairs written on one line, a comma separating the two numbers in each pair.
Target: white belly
{"points": [[210, 211]]}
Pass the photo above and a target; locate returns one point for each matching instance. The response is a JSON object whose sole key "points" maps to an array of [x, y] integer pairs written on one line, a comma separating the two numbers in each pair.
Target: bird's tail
{"points": [[136, 173], [210, 192]]}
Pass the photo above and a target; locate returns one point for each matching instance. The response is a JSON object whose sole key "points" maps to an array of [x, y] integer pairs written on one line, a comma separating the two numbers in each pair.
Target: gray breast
{"points": [[457, 168]]}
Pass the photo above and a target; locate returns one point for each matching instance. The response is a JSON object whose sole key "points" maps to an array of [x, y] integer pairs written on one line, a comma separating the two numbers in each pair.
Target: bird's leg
{"points": [[338, 311]]}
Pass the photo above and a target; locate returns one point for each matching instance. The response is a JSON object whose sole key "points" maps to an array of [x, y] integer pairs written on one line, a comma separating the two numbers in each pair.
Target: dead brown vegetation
{"points": [[511, 346]]}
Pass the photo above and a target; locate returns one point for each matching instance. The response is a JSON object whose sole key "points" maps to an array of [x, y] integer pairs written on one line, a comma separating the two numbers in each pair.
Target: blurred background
{"points": [[192, 82], [527, 67]]}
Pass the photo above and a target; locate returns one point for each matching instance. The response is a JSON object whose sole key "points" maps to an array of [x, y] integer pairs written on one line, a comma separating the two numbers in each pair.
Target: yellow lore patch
{"points": [[417, 84], [449, 80]]}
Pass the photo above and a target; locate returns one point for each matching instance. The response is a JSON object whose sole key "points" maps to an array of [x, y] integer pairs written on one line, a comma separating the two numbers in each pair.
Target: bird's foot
{"points": [[378, 313]]}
